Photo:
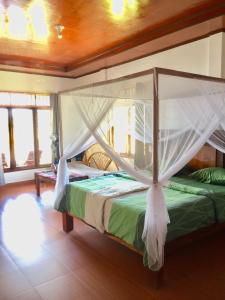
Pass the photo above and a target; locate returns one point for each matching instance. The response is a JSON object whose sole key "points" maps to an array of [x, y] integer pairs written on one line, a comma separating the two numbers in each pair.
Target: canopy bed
{"points": [[173, 114]]}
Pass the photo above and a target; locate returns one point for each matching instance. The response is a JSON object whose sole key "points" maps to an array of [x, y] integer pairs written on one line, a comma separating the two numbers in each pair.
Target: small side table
{"points": [[49, 176]]}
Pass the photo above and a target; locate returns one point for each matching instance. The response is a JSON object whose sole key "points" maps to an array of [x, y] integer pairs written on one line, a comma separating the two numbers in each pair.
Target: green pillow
{"points": [[210, 175]]}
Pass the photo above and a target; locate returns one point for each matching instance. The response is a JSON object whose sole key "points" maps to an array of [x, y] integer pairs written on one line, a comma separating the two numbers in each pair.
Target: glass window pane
{"points": [[4, 138], [23, 137], [22, 99], [42, 100], [44, 135], [5, 99]]}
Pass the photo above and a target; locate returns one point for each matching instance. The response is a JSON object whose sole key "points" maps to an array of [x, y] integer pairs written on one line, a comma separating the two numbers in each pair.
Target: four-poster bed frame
{"points": [[67, 219]]}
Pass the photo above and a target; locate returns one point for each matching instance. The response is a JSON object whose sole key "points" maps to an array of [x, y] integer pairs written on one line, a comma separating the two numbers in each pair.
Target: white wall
{"points": [[20, 175], [22, 82], [190, 58], [215, 46], [201, 57]]}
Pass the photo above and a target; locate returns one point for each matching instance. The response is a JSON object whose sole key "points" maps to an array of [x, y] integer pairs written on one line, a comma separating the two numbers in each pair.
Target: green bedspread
{"points": [[86, 199], [187, 213], [191, 206], [75, 193], [214, 192]]}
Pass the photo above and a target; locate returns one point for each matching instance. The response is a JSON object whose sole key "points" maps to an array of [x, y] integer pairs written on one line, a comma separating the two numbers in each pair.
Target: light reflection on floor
{"points": [[22, 227], [47, 199]]}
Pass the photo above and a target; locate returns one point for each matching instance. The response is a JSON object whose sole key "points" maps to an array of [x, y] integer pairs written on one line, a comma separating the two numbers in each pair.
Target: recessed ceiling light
{"points": [[59, 29]]}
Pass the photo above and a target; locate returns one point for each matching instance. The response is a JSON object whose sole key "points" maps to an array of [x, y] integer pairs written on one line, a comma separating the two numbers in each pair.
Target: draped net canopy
{"points": [[151, 124]]}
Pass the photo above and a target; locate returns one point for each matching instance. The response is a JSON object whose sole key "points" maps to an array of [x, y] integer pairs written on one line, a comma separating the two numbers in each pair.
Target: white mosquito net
{"points": [[151, 125]]}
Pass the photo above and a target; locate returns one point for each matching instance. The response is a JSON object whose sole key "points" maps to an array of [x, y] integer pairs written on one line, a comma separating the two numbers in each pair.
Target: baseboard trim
{"points": [[18, 183]]}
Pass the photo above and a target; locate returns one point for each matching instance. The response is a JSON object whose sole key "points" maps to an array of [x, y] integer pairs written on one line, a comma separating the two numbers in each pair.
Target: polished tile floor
{"points": [[39, 261]]}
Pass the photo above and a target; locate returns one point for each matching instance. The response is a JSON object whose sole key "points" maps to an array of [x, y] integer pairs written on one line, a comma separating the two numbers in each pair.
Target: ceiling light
{"points": [[122, 10], [24, 24], [59, 29]]}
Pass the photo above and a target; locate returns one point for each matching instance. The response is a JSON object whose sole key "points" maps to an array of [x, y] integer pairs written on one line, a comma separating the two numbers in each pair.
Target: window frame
{"points": [[34, 110]]}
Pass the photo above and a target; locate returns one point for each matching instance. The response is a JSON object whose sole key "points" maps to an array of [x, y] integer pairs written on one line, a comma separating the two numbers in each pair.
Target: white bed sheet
{"points": [[81, 168]]}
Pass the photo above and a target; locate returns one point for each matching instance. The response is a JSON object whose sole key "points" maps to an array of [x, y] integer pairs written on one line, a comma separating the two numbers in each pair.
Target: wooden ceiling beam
{"points": [[24, 62]]}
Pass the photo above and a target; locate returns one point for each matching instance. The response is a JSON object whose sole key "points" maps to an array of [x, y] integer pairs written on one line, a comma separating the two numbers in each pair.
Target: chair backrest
{"points": [[92, 149], [102, 161]]}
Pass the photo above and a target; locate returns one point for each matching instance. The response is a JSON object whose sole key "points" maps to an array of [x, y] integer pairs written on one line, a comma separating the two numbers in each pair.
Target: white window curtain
{"points": [[179, 136], [56, 121], [2, 177]]}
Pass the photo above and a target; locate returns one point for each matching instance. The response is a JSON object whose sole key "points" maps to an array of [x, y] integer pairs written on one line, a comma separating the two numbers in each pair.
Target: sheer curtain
{"points": [[2, 178], [217, 139], [54, 101], [124, 94], [186, 120], [83, 138]]}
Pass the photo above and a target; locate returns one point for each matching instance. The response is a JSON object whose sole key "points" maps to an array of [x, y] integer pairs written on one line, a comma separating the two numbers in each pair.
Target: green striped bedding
{"points": [[214, 192], [86, 199], [191, 205]]}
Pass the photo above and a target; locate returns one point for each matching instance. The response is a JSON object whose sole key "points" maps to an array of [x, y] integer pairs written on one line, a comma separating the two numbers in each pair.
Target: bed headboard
{"points": [[205, 158], [97, 158]]}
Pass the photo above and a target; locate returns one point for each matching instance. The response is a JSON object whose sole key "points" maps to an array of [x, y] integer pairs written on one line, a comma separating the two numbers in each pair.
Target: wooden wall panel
{"points": [[205, 158]]}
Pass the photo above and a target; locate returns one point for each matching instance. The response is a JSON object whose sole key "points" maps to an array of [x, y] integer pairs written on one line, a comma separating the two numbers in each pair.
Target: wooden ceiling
{"points": [[93, 33]]}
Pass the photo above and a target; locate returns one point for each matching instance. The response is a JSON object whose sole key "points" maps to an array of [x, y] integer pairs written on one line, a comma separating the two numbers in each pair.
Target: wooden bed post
{"points": [[159, 275], [155, 127], [158, 278], [67, 221]]}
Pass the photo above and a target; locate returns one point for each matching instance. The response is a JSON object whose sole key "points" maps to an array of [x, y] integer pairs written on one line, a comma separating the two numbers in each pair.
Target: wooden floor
{"points": [[39, 261]]}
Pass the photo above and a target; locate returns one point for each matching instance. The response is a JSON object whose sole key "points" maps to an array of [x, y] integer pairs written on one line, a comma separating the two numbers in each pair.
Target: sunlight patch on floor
{"points": [[22, 227], [47, 199]]}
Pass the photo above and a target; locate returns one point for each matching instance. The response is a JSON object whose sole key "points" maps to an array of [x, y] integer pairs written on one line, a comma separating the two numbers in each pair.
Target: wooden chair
{"points": [[30, 161], [92, 149], [4, 163]]}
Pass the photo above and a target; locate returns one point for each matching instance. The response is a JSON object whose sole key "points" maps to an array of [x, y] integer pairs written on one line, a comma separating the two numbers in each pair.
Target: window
{"points": [[25, 131], [44, 132], [4, 134], [122, 130], [23, 143]]}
